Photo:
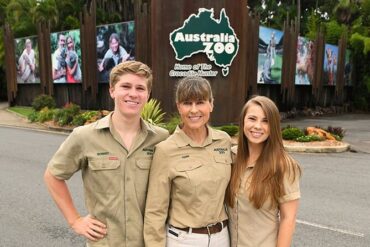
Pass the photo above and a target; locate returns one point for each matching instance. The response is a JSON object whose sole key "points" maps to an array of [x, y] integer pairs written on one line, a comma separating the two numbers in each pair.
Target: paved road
{"points": [[334, 210], [27, 214]]}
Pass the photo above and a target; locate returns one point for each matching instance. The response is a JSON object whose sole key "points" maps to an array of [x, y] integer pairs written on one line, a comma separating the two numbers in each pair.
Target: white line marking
{"points": [[330, 228]]}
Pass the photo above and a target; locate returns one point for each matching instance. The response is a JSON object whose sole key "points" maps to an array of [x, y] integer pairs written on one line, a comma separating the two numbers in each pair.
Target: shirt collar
{"points": [[234, 150], [184, 140], [106, 122]]}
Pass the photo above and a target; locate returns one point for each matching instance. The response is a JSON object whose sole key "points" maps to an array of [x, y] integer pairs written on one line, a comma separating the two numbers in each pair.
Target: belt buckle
{"points": [[208, 228]]}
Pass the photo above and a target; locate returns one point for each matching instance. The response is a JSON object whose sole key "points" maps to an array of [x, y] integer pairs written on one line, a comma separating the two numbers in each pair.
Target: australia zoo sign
{"points": [[202, 33]]}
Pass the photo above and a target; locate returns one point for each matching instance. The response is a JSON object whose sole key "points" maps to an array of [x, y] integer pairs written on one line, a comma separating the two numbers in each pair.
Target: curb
{"points": [[58, 129], [322, 149], [34, 129]]}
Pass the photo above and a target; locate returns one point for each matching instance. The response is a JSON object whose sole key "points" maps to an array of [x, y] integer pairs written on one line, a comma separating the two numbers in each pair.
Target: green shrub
{"points": [[309, 138], [333, 31], [33, 116], [78, 120], [82, 118], [153, 113], [66, 115], [43, 101], [338, 138], [231, 129], [292, 133], [173, 122], [45, 115]]}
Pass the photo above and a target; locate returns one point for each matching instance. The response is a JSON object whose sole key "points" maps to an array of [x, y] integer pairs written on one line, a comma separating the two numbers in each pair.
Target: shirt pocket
{"points": [[187, 177], [141, 180], [105, 175], [223, 166]]}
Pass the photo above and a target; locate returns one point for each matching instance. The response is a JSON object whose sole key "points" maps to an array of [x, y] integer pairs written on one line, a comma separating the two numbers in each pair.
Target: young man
{"points": [[114, 155]]}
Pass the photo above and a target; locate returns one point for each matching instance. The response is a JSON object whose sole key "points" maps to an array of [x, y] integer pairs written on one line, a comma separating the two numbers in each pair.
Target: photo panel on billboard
{"points": [[270, 55], [304, 72], [115, 44], [330, 64], [348, 68], [27, 60], [66, 56]]}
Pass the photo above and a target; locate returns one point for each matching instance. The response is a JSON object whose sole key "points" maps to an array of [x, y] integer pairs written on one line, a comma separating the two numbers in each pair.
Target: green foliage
{"points": [[367, 45], [84, 117], [357, 42], [45, 115], [231, 129], [43, 101], [173, 122], [309, 138], [365, 12], [153, 113], [334, 31], [78, 120], [22, 110], [34, 116], [346, 12], [312, 25], [292, 133], [71, 22], [66, 115]]}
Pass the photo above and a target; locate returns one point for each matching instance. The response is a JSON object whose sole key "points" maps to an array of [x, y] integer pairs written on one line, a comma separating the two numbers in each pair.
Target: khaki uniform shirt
{"points": [[115, 179], [251, 227], [187, 184]]}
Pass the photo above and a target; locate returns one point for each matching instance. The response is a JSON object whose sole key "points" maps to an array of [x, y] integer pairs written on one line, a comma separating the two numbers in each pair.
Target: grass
{"points": [[22, 110]]}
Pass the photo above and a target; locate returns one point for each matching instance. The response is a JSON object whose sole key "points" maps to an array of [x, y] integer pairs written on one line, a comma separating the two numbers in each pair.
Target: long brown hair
{"points": [[272, 164]]}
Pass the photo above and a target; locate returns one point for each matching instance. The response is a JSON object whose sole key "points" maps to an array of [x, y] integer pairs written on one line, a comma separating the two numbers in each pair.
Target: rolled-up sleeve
{"points": [[158, 200], [69, 158], [291, 186]]}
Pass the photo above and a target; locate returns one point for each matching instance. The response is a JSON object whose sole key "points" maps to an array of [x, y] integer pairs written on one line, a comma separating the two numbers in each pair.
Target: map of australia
{"points": [[202, 33]]}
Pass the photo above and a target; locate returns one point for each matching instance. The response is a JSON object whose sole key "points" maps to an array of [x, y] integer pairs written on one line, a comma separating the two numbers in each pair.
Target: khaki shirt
{"points": [[115, 179], [187, 184], [251, 227]]}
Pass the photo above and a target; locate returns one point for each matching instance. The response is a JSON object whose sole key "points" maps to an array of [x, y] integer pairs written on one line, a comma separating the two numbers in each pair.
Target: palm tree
{"points": [[346, 11]]}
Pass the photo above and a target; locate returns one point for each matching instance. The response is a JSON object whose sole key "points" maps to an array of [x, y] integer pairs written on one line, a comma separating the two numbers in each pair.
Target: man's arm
{"points": [[85, 226]]}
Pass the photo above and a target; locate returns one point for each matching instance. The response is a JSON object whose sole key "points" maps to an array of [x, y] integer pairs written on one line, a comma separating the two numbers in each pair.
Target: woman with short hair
{"points": [[189, 175]]}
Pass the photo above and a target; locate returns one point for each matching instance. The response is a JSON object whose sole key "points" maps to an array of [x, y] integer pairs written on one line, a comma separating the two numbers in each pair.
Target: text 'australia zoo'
{"points": [[211, 42], [202, 33]]}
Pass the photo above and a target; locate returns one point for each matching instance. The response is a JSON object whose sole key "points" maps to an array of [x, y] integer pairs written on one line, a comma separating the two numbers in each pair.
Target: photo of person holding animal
{"points": [[115, 44], [330, 64], [66, 59], [26, 56], [270, 50], [73, 72], [305, 62]]}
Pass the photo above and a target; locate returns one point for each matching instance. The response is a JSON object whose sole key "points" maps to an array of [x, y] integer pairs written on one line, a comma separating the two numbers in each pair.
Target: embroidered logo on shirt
{"points": [[185, 156], [220, 150], [102, 153], [113, 158], [148, 150]]}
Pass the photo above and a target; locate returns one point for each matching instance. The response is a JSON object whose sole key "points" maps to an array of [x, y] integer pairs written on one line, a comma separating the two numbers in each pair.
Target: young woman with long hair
{"points": [[263, 192]]}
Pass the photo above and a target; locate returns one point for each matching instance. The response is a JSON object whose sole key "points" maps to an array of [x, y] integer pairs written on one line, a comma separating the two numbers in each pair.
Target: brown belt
{"points": [[211, 229]]}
